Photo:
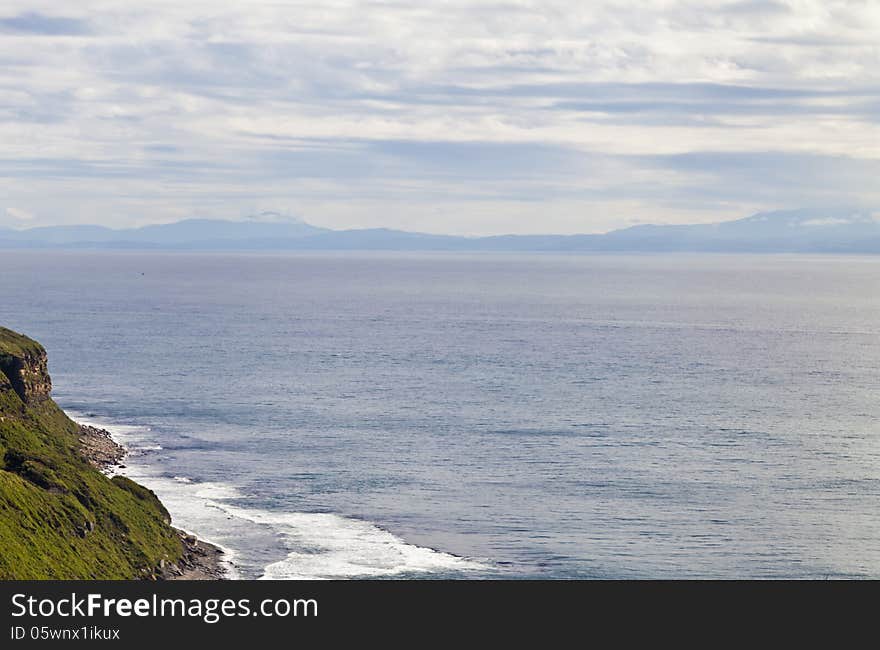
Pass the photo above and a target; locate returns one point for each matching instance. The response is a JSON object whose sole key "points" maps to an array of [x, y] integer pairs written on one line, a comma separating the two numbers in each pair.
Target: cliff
{"points": [[23, 362], [60, 517]]}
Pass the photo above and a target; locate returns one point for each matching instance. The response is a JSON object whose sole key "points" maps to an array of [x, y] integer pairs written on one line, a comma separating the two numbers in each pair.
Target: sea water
{"points": [[437, 415]]}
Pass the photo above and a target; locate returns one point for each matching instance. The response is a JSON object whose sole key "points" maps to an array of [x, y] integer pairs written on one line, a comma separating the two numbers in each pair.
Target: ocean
{"points": [[385, 415]]}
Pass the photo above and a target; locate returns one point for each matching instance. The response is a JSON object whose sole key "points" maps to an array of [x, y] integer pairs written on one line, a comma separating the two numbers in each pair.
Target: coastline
{"points": [[101, 519], [305, 545], [201, 560]]}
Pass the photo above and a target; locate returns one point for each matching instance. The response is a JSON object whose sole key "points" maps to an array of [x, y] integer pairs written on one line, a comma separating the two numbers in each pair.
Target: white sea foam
{"points": [[318, 545], [328, 546], [130, 436]]}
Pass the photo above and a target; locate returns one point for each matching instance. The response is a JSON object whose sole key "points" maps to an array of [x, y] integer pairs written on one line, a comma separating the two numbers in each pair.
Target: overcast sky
{"points": [[467, 117]]}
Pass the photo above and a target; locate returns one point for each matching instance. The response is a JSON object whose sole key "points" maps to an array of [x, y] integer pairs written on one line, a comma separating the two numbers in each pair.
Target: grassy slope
{"points": [[59, 517]]}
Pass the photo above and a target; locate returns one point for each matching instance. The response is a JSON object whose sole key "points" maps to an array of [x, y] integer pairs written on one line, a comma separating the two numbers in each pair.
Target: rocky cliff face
{"points": [[28, 373]]}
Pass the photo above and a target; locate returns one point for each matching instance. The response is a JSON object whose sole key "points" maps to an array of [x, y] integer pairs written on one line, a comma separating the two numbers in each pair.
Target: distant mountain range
{"points": [[793, 231]]}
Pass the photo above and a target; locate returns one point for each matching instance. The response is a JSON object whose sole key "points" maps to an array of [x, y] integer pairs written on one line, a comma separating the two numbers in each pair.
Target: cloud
{"points": [[36, 23], [17, 216], [361, 113]]}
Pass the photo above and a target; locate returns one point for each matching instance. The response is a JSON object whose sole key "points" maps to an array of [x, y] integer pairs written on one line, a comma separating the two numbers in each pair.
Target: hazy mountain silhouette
{"points": [[806, 230]]}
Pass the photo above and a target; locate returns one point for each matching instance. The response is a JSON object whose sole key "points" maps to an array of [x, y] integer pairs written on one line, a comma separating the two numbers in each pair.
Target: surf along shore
{"points": [[200, 560]]}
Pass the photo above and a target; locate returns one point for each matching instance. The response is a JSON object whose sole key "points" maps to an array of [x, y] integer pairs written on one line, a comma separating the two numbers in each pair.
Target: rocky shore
{"points": [[99, 448], [200, 560]]}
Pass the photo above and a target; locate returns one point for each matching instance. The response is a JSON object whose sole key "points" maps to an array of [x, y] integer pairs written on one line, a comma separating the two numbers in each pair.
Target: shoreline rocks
{"points": [[200, 561], [99, 448]]}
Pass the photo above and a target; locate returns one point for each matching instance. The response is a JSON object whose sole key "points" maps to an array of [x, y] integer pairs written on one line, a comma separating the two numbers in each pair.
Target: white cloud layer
{"points": [[462, 116]]}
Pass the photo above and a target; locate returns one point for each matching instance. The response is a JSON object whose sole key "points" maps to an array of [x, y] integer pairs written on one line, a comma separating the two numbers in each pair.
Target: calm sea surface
{"points": [[433, 415]]}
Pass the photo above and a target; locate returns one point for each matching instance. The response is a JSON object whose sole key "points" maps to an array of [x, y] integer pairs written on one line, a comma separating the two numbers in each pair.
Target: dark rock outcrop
{"points": [[25, 367]]}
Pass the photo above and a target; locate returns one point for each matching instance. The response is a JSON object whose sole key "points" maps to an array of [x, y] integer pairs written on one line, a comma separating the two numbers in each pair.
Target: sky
{"points": [[464, 117]]}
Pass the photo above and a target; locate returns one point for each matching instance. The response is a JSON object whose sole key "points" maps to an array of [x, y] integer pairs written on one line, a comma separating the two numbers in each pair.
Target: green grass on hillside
{"points": [[15, 344], [59, 517]]}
